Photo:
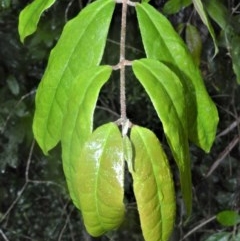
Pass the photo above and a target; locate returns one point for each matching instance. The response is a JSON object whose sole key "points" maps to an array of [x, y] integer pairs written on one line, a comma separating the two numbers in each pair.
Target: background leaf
{"points": [[99, 177], [153, 186], [167, 95], [230, 34], [174, 6], [78, 120], [30, 15], [228, 218], [80, 46], [201, 11], [169, 48]]}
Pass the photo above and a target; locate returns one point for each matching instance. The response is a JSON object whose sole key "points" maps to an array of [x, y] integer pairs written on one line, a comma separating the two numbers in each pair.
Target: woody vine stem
{"points": [[121, 61], [121, 65]]}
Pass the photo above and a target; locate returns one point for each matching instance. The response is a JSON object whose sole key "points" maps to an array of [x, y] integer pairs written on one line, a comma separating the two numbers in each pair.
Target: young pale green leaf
{"points": [[80, 46], [194, 43], [99, 178], [78, 119], [203, 15], [174, 6], [153, 186], [168, 97], [30, 15], [161, 42]]}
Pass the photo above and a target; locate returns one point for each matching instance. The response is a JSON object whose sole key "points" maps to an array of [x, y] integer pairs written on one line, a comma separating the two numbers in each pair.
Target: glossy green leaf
{"points": [[30, 15], [168, 97], [80, 46], [194, 43], [174, 6], [99, 178], [203, 15], [161, 42], [78, 119], [228, 218], [153, 186]]}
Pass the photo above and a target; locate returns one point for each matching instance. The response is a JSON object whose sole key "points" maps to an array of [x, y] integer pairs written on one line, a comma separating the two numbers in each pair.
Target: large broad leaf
{"points": [[30, 15], [80, 46], [153, 186], [203, 15], [99, 178], [161, 42], [167, 95], [78, 120]]}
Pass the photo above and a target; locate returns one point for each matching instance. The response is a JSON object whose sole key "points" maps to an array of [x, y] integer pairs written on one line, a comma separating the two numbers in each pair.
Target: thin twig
{"points": [[198, 227], [223, 154], [3, 235], [229, 128], [65, 225], [3, 127], [108, 110]]}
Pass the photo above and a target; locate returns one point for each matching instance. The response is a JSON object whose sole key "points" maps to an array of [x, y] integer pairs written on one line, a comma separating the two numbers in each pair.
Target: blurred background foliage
{"points": [[34, 201]]}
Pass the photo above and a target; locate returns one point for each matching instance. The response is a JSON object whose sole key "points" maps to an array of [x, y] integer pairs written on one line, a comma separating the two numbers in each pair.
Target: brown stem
{"points": [[122, 59]]}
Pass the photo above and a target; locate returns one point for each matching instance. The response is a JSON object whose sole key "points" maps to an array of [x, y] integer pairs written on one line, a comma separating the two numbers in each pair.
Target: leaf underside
{"points": [[167, 95], [99, 178], [80, 47], [78, 120], [153, 186], [161, 42], [30, 15]]}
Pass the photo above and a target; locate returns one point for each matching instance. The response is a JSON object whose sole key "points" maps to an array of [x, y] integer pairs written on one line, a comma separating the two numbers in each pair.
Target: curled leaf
{"points": [[153, 186], [99, 179]]}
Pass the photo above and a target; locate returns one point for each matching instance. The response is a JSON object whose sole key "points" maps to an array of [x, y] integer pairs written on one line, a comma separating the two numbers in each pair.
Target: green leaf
{"points": [[201, 11], [221, 236], [235, 53], [80, 46], [194, 43], [153, 186], [13, 85], [221, 16], [99, 178], [228, 218], [174, 6], [167, 95], [161, 42], [218, 12], [30, 15], [78, 120]]}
